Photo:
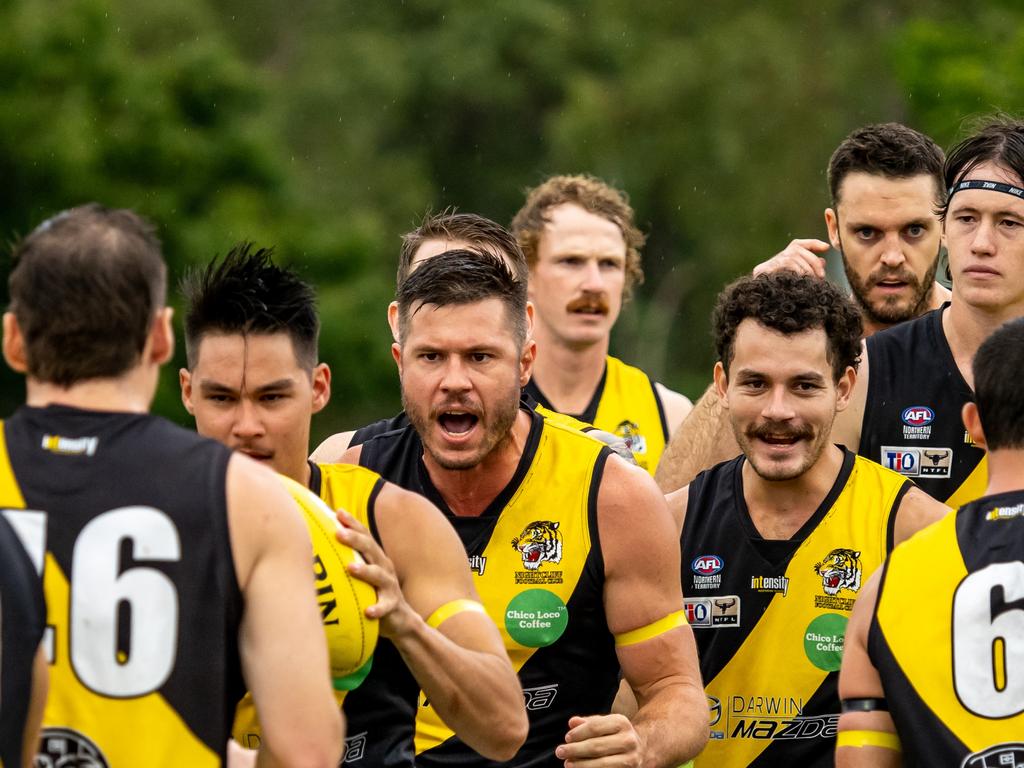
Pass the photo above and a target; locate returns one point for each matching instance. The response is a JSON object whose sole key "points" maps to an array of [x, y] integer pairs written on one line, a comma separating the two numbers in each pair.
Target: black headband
{"points": [[995, 186]]}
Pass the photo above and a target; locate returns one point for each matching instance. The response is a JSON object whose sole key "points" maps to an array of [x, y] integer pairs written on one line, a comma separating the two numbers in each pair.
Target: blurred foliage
{"points": [[329, 128]]}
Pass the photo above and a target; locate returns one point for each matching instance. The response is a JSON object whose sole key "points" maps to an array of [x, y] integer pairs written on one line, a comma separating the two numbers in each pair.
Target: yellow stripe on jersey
{"points": [[10, 493], [972, 488], [882, 739], [446, 611], [655, 628], [629, 409]]}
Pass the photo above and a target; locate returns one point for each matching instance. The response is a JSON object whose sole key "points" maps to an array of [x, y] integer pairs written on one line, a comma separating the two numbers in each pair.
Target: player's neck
{"points": [[966, 327], [568, 375], [131, 393], [468, 492], [1005, 470], [779, 508]]}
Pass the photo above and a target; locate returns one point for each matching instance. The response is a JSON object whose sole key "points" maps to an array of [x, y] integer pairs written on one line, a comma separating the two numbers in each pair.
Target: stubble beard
{"points": [[891, 312]]}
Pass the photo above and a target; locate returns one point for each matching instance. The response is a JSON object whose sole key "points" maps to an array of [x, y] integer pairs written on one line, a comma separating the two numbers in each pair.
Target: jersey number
{"points": [[988, 641], [123, 620]]}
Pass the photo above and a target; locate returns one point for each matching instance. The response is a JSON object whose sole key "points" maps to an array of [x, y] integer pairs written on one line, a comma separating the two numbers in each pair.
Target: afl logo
{"points": [[918, 416], [707, 565]]}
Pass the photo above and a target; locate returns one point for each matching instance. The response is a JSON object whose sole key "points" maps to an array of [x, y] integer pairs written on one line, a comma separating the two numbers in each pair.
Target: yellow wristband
{"points": [[659, 627], [882, 739], [446, 611]]}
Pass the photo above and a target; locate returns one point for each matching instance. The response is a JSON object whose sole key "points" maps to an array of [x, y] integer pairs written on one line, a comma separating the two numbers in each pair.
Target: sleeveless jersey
{"points": [[143, 604], [912, 421], [770, 616], [538, 568], [947, 637], [625, 404], [22, 618], [340, 486]]}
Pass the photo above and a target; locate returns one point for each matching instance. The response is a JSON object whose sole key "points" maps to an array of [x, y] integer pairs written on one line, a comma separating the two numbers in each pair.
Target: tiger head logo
{"points": [[539, 542], [839, 570], [630, 434]]}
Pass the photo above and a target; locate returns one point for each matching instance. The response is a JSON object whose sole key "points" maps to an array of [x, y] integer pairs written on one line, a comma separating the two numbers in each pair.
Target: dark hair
{"points": [[886, 149], [789, 303], [592, 195], [85, 288], [999, 140], [463, 277], [245, 292], [999, 386], [483, 234]]}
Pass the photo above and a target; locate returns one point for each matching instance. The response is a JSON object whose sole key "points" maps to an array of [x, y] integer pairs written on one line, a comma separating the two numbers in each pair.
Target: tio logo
{"points": [[904, 462]]}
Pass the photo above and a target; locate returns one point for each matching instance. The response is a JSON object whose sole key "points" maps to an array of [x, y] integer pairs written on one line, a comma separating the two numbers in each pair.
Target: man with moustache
{"points": [[775, 542], [583, 248], [916, 376], [574, 547]]}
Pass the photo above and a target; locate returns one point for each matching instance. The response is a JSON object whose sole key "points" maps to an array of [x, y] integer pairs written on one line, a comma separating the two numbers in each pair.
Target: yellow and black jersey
{"points": [[22, 618], [770, 616], [912, 421], [947, 637], [626, 404], [537, 565], [143, 604]]}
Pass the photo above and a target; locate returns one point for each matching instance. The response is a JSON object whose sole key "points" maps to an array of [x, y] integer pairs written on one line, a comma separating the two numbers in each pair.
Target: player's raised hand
{"points": [[601, 741], [391, 609], [802, 256]]}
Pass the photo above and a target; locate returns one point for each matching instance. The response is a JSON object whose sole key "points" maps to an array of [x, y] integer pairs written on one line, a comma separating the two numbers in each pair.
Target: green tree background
{"points": [[328, 129]]}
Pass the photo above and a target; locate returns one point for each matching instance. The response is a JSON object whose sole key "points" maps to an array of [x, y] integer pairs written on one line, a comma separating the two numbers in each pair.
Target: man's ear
{"points": [[161, 337], [972, 422], [393, 319], [721, 384], [14, 344], [832, 223], [526, 361], [396, 352], [531, 317], [321, 387], [844, 388], [185, 381]]}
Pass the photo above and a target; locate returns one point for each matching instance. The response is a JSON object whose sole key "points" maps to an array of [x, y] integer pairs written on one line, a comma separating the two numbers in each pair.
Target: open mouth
{"points": [[457, 422], [831, 580], [779, 440], [256, 454]]}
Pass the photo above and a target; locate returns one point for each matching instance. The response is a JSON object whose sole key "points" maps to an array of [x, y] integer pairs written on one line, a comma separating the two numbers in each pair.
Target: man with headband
{"points": [[916, 376]]}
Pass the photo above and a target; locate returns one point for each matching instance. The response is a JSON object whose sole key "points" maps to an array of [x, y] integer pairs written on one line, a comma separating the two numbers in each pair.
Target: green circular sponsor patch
{"points": [[823, 641], [536, 618]]}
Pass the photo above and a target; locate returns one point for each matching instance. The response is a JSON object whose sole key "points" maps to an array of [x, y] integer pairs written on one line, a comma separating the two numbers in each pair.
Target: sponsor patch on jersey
{"points": [[630, 434], [917, 461], [775, 718], [1005, 513], [917, 421], [778, 585], [540, 697], [717, 611], [66, 746], [840, 572], [355, 747], [70, 446], [707, 571], [715, 707], [824, 639], [477, 564], [1009, 754], [540, 544], [536, 618]]}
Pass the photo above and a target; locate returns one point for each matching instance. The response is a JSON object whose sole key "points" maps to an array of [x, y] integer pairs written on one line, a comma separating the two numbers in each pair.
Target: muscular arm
{"points": [[858, 678], [704, 439], [331, 449], [917, 510], [461, 665], [281, 640], [671, 721], [36, 705]]}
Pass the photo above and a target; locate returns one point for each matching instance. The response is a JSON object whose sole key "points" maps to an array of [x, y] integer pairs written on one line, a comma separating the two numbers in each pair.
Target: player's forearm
{"points": [[701, 441], [672, 723], [476, 693]]}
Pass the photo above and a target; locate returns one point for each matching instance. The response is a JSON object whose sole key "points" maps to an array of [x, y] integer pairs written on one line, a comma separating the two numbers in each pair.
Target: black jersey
{"points": [[363, 434], [538, 568], [912, 421], [769, 616], [947, 637], [22, 617], [143, 604]]}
